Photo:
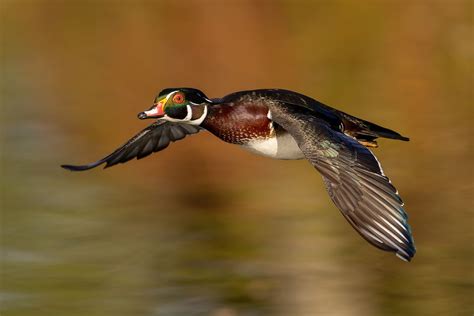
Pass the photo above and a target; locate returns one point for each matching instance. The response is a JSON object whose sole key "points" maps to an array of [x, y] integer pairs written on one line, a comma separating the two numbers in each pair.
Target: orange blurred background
{"points": [[205, 228]]}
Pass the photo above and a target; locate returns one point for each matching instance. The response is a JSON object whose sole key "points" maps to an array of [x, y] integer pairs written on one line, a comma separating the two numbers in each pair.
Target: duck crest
{"points": [[239, 121]]}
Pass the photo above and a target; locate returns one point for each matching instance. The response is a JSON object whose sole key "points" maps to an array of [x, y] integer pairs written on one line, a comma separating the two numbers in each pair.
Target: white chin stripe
{"points": [[190, 113], [187, 118], [201, 119]]}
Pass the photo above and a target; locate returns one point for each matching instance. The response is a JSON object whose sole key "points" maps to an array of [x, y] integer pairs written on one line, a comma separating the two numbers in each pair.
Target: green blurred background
{"points": [[205, 228]]}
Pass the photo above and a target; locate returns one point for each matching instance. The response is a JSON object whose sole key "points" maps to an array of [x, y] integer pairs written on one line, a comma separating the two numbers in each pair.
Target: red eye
{"points": [[178, 98]]}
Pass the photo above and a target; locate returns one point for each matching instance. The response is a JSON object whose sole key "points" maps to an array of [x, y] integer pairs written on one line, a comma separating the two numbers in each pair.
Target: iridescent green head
{"points": [[179, 105]]}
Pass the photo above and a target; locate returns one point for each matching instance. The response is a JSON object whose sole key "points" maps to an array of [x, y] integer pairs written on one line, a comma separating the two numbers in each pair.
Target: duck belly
{"points": [[278, 146]]}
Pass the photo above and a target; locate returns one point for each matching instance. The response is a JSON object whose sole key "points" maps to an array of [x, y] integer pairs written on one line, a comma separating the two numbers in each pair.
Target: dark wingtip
{"points": [[75, 168], [405, 257], [405, 139], [407, 254], [83, 167], [71, 167]]}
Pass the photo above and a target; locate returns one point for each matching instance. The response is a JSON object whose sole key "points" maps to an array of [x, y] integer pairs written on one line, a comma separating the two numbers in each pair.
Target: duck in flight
{"points": [[283, 124]]}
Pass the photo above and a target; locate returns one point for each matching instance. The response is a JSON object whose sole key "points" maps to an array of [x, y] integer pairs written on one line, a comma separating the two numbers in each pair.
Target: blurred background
{"points": [[205, 228]]}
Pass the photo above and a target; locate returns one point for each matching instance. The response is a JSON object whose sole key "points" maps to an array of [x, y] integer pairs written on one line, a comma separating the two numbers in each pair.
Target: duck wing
{"points": [[354, 180], [155, 137]]}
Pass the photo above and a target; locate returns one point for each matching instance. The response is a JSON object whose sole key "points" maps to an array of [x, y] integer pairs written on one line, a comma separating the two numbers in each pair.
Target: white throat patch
{"points": [[187, 119]]}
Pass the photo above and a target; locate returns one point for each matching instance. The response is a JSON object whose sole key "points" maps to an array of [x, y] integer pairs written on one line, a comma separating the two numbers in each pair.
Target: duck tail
{"points": [[367, 131]]}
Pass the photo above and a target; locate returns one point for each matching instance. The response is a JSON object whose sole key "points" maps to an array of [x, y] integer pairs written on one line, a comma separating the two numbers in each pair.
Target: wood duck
{"points": [[282, 124]]}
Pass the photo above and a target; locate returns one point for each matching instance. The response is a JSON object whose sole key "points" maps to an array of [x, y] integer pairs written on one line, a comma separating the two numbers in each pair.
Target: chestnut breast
{"points": [[239, 122]]}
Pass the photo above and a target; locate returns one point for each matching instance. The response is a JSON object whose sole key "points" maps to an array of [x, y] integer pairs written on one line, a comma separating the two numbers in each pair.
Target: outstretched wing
{"points": [[354, 179], [154, 138]]}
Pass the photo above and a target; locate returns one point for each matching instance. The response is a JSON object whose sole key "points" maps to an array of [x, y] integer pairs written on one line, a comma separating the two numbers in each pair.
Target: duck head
{"points": [[186, 105]]}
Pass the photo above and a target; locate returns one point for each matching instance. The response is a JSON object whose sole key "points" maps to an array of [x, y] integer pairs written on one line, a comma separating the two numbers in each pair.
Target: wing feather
{"points": [[354, 180], [154, 138]]}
